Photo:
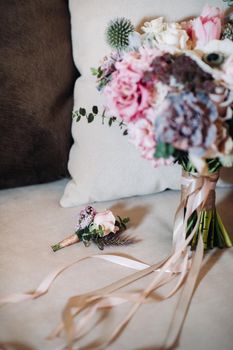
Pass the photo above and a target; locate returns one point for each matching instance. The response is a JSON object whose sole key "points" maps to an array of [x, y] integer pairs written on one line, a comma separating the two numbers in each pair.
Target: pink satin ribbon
{"points": [[181, 264]]}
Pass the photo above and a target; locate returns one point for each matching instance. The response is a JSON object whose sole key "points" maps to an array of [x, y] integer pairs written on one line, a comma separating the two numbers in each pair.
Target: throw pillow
{"points": [[36, 99]]}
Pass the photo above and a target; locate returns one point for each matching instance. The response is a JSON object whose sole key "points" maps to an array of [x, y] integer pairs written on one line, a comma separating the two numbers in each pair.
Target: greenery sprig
{"points": [[90, 117]]}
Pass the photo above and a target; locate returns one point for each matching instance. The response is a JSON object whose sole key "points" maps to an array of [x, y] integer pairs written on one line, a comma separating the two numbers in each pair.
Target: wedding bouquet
{"points": [[171, 87]]}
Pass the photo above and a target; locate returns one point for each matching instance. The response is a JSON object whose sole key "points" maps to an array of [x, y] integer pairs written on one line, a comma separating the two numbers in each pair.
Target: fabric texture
{"points": [[31, 220], [36, 99], [102, 163]]}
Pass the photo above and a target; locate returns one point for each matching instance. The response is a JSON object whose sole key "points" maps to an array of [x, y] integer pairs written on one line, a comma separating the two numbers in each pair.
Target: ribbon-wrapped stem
{"points": [[213, 232]]}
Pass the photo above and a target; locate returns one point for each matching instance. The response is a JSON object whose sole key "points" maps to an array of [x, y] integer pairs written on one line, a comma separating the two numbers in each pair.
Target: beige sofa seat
{"points": [[31, 220]]}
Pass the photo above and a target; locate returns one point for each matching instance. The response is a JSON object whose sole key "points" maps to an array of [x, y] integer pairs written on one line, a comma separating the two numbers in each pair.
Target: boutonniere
{"points": [[102, 228]]}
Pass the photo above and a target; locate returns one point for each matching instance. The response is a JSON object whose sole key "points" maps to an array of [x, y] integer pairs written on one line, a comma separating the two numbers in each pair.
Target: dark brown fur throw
{"points": [[36, 81]]}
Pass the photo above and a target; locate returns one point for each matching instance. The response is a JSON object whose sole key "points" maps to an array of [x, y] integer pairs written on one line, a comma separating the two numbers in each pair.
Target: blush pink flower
{"points": [[141, 134], [126, 95], [148, 54], [138, 61], [107, 221], [207, 27], [126, 98]]}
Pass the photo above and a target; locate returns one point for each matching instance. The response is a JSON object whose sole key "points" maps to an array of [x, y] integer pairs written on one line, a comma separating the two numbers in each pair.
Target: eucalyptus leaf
{"points": [[82, 111], [78, 117], [74, 114], [95, 110], [90, 117], [99, 73], [94, 71]]}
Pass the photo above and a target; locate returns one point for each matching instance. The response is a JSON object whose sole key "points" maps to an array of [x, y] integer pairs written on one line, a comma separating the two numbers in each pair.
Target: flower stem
{"points": [[207, 217], [225, 235], [211, 228], [72, 239]]}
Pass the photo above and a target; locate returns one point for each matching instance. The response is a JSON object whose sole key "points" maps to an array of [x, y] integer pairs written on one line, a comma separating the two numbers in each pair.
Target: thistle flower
{"points": [[187, 121], [117, 34]]}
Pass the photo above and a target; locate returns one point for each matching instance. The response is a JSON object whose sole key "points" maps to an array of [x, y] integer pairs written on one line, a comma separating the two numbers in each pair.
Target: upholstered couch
{"points": [[31, 217]]}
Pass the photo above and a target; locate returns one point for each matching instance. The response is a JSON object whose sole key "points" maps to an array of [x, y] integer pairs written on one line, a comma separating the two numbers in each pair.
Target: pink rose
{"points": [[125, 97], [207, 27], [106, 220]]}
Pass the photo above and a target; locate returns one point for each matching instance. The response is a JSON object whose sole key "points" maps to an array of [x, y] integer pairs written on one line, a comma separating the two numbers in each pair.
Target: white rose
{"points": [[155, 26], [173, 36]]}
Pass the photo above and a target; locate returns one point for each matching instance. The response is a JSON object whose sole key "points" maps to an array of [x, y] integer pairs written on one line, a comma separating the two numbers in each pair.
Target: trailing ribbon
{"points": [[182, 264], [197, 192]]}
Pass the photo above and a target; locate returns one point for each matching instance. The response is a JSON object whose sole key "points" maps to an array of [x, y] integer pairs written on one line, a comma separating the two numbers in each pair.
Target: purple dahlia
{"points": [[187, 121], [183, 69]]}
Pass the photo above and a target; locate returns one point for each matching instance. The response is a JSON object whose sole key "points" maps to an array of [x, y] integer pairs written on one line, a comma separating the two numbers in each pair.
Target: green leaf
{"points": [[90, 117], [164, 150], [99, 73], [82, 111], [74, 114], [126, 220], [95, 109], [110, 121], [78, 118], [94, 71]]}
